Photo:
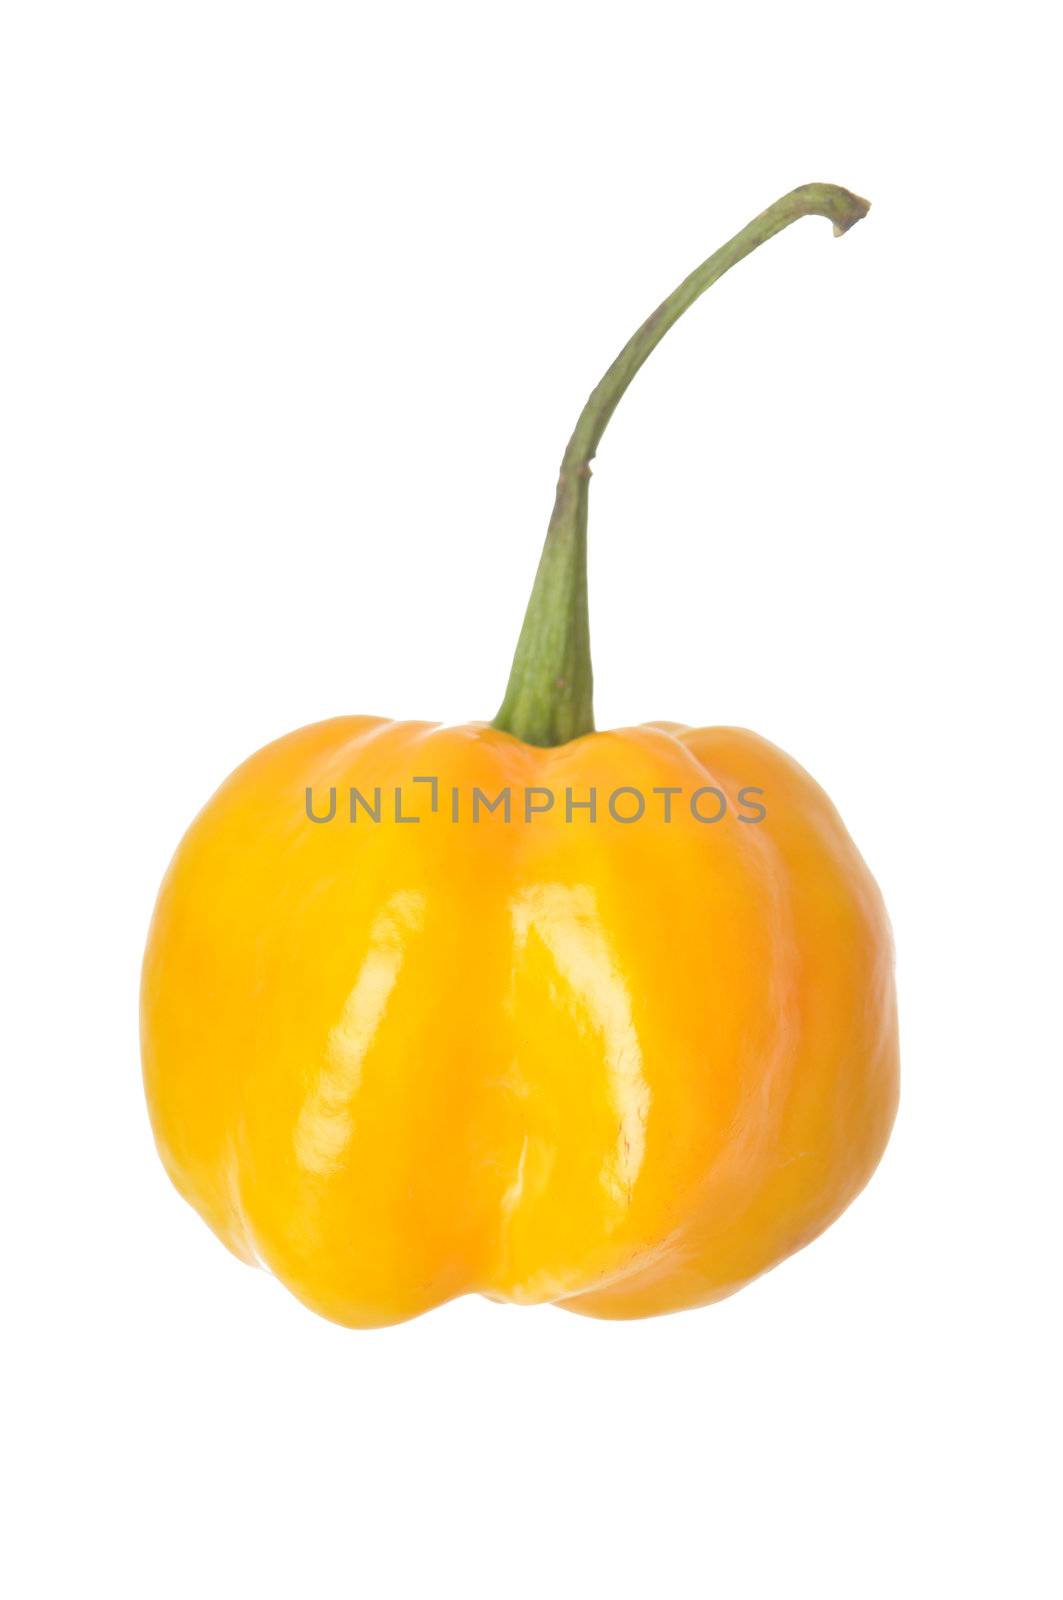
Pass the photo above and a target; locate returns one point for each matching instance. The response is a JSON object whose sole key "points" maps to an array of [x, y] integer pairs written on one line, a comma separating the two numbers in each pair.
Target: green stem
{"points": [[549, 699]]}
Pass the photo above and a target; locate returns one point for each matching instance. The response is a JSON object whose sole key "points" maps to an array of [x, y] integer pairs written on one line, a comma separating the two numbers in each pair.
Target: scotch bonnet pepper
{"points": [[549, 1057]]}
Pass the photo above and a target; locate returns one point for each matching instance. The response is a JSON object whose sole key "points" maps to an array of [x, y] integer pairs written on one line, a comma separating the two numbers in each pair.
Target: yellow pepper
{"points": [[600, 1019]]}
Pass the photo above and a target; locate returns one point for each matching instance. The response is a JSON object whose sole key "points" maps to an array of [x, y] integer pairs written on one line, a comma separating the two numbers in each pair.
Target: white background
{"points": [[299, 303]]}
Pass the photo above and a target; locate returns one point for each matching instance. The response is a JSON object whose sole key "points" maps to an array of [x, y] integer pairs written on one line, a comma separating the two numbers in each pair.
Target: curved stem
{"points": [[549, 699]]}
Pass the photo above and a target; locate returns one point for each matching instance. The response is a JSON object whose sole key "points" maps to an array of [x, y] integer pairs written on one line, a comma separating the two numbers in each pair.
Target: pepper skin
{"points": [[623, 1067], [620, 1062]]}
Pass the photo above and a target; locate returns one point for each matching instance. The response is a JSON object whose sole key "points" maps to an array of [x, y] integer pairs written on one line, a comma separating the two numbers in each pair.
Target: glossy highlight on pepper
{"points": [[620, 1069]]}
